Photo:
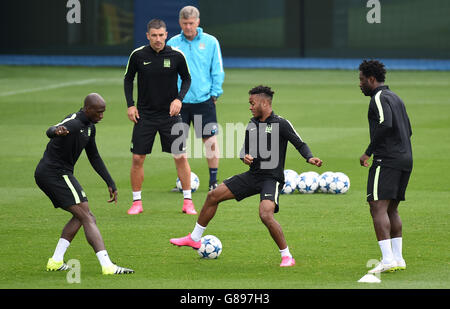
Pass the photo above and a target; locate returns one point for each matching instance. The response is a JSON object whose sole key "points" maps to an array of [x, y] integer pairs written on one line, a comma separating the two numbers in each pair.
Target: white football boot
{"points": [[382, 268], [401, 265]]}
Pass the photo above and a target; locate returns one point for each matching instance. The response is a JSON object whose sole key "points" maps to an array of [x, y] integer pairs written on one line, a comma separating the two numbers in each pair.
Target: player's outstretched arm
{"points": [[54, 131]]}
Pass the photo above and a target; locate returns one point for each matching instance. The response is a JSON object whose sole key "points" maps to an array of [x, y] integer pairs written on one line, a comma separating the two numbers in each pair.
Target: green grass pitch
{"points": [[331, 237]]}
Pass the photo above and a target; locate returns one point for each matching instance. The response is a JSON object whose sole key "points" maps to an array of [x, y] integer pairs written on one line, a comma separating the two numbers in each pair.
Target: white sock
{"points": [[386, 250], [197, 233], [136, 195], [187, 194], [285, 252], [60, 250], [397, 248], [103, 258]]}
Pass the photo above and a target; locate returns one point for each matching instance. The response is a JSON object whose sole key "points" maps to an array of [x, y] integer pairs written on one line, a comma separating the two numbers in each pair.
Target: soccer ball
{"points": [[345, 179], [325, 180], [317, 175], [195, 183], [308, 182], [340, 183], [290, 182], [211, 247]]}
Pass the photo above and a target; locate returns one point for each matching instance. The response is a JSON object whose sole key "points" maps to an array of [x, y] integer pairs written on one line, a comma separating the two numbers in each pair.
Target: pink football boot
{"points": [[188, 207], [136, 208], [287, 261], [186, 241]]}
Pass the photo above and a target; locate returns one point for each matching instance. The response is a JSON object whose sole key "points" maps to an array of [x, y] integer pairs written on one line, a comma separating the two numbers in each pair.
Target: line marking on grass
{"points": [[50, 87]]}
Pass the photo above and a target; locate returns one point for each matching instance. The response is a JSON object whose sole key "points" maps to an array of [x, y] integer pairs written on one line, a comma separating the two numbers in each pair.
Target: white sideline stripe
{"points": [[49, 87]]}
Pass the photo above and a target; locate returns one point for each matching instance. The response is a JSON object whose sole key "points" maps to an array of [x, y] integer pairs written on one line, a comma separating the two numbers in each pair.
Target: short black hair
{"points": [[264, 90], [156, 24], [373, 68]]}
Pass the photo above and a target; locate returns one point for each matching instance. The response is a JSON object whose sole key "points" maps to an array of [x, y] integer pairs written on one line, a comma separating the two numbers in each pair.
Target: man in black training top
{"points": [[264, 150], [54, 176], [390, 145], [158, 109]]}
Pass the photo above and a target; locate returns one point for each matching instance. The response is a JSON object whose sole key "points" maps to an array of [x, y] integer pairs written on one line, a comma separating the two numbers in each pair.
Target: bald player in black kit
{"points": [[54, 176]]}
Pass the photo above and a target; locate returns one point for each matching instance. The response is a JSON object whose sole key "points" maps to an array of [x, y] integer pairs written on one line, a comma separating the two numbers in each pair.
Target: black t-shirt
{"points": [[266, 141], [157, 79], [390, 130], [62, 152]]}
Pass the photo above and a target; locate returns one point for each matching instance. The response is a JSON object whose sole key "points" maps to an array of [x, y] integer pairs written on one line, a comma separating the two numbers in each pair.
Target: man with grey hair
{"points": [[199, 104]]}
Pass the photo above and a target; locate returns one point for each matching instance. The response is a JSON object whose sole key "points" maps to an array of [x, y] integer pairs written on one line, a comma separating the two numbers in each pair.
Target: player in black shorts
{"points": [[204, 119], [158, 109], [265, 177], [390, 145], [204, 58], [54, 176]]}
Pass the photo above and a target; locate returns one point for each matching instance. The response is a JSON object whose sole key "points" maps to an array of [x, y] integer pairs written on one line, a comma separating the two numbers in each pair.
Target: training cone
{"points": [[369, 278]]}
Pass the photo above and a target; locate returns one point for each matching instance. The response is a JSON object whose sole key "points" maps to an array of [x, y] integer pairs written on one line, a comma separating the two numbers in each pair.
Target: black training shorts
{"points": [[60, 186], [247, 184], [385, 183], [172, 134], [203, 116]]}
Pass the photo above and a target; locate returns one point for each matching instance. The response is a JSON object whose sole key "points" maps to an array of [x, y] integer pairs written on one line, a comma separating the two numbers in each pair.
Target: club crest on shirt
{"points": [[269, 128], [201, 46], [88, 131], [167, 63]]}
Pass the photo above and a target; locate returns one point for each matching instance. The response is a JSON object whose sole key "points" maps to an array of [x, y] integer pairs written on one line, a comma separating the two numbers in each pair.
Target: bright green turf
{"points": [[331, 237]]}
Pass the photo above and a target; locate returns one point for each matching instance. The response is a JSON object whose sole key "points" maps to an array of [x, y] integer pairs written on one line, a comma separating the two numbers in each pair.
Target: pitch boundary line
{"points": [[51, 87]]}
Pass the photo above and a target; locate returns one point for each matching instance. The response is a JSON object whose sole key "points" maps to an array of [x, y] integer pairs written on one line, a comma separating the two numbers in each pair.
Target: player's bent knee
{"points": [[266, 216], [212, 197], [84, 214], [221, 193], [180, 157], [92, 218], [138, 160], [266, 210]]}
